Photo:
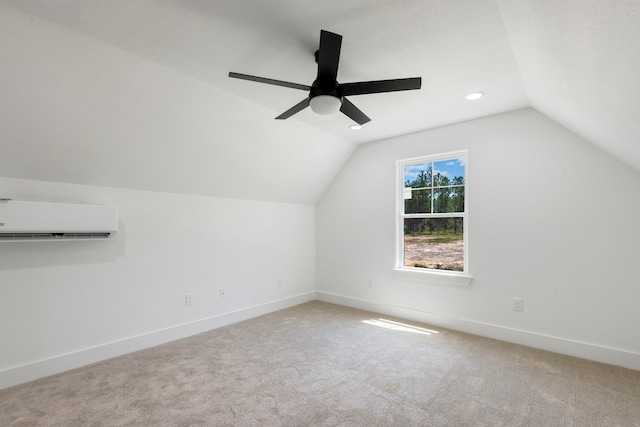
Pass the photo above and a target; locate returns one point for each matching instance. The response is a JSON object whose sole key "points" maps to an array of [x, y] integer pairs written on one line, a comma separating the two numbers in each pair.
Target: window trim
{"points": [[428, 274]]}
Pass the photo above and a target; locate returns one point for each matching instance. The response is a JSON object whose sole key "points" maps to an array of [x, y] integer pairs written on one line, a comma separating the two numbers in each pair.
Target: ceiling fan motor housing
{"points": [[330, 89]]}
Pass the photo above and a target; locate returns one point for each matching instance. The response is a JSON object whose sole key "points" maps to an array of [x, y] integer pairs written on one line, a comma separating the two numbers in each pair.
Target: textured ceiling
{"points": [[135, 94]]}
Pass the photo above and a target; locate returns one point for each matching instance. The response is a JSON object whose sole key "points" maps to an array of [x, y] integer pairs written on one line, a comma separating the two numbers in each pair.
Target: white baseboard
{"points": [[569, 347], [64, 362]]}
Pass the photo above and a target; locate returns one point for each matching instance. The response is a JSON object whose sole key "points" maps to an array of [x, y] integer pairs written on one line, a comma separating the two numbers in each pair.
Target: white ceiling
{"points": [[135, 93]]}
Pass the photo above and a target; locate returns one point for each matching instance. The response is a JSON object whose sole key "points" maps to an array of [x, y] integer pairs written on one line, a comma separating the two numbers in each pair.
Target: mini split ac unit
{"points": [[40, 221]]}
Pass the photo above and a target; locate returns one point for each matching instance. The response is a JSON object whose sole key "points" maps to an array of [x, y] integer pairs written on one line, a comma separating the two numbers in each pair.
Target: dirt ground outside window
{"points": [[422, 251]]}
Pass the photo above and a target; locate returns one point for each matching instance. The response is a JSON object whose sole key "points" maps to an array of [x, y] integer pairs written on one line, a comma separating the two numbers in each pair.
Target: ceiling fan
{"points": [[326, 95]]}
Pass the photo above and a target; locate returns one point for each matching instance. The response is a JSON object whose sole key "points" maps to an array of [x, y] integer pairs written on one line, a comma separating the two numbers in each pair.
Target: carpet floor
{"points": [[320, 364]]}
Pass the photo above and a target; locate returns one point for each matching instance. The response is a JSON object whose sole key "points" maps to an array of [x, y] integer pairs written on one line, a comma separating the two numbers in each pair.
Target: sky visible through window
{"points": [[449, 168]]}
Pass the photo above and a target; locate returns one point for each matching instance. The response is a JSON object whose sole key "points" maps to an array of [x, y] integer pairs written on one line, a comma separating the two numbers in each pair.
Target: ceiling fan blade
{"points": [[353, 112], [291, 111], [328, 56], [268, 81], [378, 86]]}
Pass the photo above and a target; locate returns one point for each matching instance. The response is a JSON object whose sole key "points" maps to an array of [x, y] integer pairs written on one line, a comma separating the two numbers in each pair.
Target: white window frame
{"points": [[427, 274]]}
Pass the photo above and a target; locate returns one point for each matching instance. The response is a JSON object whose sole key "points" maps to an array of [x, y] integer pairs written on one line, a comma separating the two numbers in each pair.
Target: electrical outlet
{"points": [[279, 281], [518, 304], [370, 283], [188, 300], [223, 293]]}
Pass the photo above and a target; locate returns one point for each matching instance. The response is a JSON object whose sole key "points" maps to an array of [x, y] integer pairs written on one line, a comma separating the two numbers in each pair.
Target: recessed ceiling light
{"points": [[355, 127], [475, 95]]}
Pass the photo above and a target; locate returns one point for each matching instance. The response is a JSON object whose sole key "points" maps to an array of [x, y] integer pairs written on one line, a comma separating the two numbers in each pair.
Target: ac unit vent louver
{"points": [[34, 237]]}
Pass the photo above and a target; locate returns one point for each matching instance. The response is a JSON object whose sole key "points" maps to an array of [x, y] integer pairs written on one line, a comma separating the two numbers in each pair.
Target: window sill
{"points": [[435, 277]]}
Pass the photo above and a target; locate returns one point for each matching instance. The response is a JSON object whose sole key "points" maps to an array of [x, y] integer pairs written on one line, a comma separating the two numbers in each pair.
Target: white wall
{"points": [[65, 304], [553, 220]]}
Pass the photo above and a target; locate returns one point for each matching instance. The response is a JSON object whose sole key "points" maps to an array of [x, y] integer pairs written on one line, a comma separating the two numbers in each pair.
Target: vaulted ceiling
{"points": [[136, 94]]}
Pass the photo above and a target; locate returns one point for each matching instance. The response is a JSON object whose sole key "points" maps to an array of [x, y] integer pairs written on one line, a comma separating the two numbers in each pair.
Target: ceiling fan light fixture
{"points": [[355, 127], [325, 104], [475, 95]]}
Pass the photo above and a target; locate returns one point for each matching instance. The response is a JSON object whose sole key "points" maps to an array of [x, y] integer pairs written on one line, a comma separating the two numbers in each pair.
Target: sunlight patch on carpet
{"points": [[401, 327]]}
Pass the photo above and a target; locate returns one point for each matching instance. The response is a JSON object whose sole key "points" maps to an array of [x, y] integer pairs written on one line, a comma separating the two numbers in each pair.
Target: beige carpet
{"points": [[319, 364]]}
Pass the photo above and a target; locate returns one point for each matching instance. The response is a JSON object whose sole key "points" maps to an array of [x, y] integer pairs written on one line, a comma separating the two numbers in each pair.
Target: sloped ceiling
{"points": [[580, 63], [135, 94]]}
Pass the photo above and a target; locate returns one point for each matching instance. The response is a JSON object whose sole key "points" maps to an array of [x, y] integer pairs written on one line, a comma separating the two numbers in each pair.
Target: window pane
{"points": [[417, 176], [453, 170], [448, 199], [435, 243], [417, 201]]}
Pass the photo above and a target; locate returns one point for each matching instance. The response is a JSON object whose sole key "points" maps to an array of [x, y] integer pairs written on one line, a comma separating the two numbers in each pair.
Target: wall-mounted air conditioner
{"points": [[39, 221]]}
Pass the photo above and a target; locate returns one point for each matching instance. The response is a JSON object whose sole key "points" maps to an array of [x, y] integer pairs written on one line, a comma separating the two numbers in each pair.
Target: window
{"points": [[432, 218]]}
